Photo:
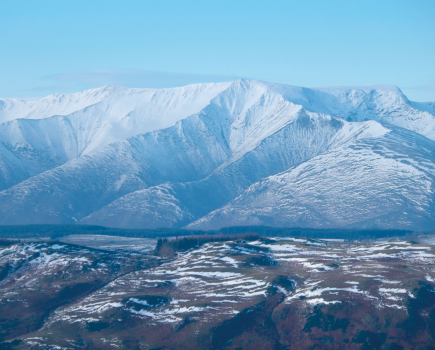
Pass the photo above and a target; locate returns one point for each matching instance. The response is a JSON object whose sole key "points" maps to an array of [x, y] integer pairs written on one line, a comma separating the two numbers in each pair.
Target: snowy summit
{"points": [[207, 156]]}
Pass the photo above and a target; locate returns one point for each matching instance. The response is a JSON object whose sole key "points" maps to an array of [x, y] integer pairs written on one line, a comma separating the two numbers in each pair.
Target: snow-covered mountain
{"points": [[41, 135], [214, 155], [372, 182]]}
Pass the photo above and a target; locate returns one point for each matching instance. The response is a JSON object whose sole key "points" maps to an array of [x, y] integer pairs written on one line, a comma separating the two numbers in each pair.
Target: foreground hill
{"points": [[280, 293], [250, 153]]}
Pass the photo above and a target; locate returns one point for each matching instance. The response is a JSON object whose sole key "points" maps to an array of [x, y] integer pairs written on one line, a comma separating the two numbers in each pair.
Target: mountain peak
{"points": [[113, 156]]}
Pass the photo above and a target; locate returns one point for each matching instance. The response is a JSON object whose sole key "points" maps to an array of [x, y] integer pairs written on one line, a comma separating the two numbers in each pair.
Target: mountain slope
{"points": [[81, 186], [329, 139], [374, 182], [383, 103], [188, 151], [307, 136], [164, 106], [41, 135]]}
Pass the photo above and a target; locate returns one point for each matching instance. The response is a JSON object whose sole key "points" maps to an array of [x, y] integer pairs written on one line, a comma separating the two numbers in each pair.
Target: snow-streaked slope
{"points": [[185, 152], [44, 134], [188, 151], [307, 136], [384, 103], [238, 134], [382, 182], [57, 104], [160, 105], [30, 147]]}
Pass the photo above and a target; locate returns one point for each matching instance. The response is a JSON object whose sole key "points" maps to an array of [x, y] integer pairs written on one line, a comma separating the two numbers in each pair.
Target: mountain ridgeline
{"points": [[208, 156]]}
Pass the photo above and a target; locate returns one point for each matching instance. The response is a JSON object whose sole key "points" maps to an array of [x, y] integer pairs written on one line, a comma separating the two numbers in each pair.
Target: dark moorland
{"points": [[218, 291]]}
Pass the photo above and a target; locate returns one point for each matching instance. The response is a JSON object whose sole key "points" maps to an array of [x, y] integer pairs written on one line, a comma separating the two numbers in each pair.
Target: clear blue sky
{"points": [[65, 46]]}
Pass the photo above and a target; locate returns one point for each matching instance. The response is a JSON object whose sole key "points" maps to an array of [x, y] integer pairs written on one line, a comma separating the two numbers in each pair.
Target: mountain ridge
{"points": [[245, 133]]}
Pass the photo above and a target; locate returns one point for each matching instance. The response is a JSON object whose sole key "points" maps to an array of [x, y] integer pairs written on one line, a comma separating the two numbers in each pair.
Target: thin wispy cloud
{"points": [[131, 78], [429, 86], [424, 92]]}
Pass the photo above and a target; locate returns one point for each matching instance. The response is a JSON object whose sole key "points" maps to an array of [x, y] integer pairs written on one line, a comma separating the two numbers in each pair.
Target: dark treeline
{"points": [[168, 246], [57, 231], [5, 242]]}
